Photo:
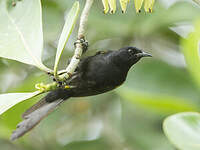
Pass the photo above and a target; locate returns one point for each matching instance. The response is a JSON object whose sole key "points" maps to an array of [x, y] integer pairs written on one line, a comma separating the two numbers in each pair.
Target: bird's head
{"points": [[131, 55]]}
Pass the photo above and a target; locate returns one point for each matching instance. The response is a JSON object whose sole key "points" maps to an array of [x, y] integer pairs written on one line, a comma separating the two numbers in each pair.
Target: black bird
{"points": [[95, 75]]}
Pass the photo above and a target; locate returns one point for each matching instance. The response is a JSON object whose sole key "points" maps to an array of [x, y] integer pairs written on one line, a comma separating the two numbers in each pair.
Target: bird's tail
{"points": [[37, 112]]}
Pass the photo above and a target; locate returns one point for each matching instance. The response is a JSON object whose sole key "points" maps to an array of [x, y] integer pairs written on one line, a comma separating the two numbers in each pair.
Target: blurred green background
{"points": [[128, 118]]}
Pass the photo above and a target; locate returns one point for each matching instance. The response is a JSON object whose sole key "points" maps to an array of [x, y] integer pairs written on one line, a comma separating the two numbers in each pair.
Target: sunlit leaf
{"points": [[148, 5], [138, 5], [191, 51], [66, 32], [106, 6], [112, 4], [21, 36], [10, 99], [155, 102], [183, 130]]}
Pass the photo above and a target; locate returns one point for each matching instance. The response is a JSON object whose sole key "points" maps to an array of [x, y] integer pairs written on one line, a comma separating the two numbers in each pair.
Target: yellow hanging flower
{"points": [[148, 5], [138, 5], [123, 4], [105, 5], [111, 4]]}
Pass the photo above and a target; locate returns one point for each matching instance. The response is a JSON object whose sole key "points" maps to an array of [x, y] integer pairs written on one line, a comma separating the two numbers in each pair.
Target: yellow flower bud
{"points": [[112, 4], [123, 4], [148, 5], [105, 5], [138, 5]]}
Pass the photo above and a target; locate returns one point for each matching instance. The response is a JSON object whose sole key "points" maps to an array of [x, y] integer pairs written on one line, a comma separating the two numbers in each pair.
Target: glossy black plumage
{"points": [[101, 73], [95, 75]]}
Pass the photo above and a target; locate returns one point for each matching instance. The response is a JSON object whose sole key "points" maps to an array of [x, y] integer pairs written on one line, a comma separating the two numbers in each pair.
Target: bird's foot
{"points": [[62, 71], [83, 42]]}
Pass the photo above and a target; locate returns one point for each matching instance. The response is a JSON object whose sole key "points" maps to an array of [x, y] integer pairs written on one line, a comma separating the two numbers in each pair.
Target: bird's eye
{"points": [[131, 51]]}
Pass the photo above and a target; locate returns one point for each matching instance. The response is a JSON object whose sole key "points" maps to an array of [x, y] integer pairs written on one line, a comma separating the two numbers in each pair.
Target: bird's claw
{"points": [[84, 44]]}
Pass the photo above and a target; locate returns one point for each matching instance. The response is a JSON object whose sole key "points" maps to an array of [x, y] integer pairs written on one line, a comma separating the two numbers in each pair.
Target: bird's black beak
{"points": [[143, 54]]}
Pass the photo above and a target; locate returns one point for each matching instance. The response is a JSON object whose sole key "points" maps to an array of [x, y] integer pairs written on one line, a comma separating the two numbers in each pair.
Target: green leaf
{"points": [[183, 130], [191, 51], [10, 99], [21, 36], [158, 103], [66, 32]]}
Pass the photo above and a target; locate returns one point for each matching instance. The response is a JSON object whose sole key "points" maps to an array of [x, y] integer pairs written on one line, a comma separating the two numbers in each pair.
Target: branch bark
{"points": [[81, 35]]}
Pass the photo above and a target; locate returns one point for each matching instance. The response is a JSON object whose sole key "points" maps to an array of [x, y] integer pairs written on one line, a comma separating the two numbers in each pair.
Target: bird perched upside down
{"points": [[95, 75]]}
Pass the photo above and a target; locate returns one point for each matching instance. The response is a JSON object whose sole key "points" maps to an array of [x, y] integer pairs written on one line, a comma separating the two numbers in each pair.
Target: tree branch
{"points": [[81, 35]]}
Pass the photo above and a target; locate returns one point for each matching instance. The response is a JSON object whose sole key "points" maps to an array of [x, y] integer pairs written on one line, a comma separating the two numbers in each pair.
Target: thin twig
{"points": [[84, 19], [81, 35]]}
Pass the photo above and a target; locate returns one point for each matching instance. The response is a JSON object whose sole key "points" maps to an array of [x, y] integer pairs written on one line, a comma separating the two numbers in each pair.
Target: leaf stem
{"points": [[45, 69]]}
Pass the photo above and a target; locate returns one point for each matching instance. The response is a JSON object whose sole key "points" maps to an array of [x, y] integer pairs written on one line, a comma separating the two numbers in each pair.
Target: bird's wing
{"points": [[33, 117], [40, 110], [34, 107]]}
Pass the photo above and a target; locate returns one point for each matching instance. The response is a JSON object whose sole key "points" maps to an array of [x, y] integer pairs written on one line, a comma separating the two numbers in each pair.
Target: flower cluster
{"points": [[111, 5]]}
